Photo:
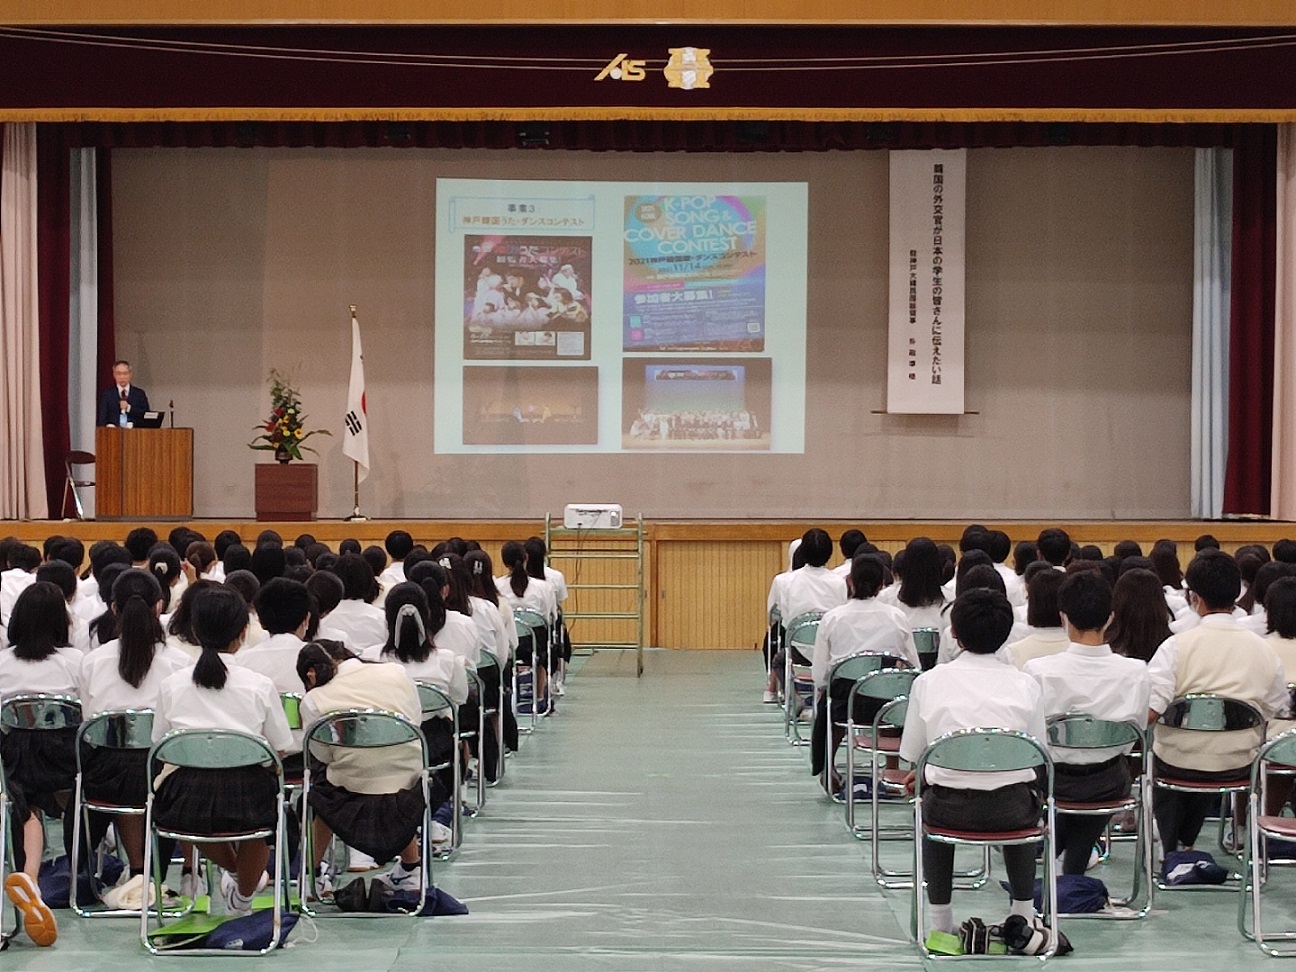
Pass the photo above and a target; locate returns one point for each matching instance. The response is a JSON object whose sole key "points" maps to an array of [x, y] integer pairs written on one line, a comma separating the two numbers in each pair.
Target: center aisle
{"points": [[660, 823]]}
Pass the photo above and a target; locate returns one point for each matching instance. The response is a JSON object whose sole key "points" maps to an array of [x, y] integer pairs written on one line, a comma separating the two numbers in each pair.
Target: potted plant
{"points": [[284, 431]]}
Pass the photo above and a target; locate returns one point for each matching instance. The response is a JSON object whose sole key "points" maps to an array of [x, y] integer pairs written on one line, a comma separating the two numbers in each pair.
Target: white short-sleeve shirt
{"points": [[102, 688], [248, 702]]}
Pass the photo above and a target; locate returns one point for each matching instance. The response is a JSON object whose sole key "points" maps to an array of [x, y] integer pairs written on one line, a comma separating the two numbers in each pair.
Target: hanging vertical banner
{"points": [[925, 347]]}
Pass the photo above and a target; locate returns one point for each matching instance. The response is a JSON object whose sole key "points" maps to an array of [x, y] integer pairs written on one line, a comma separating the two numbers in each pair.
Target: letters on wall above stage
{"points": [[925, 345]]}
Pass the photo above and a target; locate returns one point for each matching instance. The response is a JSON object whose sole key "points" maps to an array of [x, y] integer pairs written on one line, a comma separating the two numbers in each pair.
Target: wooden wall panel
{"points": [[712, 594]]}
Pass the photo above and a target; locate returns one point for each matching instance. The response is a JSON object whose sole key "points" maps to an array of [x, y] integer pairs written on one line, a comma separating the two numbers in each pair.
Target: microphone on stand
{"points": [[171, 405]]}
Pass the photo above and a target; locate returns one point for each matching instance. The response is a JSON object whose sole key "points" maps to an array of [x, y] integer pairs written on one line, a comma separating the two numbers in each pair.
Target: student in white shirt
{"points": [[862, 624], [39, 764], [999, 547], [521, 590], [1253, 601], [774, 636], [164, 565], [399, 544], [538, 567], [326, 594], [1280, 615], [1088, 677], [125, 673], [283, 607], [17, 577], [849, 544], [458, 634], [810, 589], [486, 599], [1140, 618], [61, 575], [1047, 636], [1216, 657], [976, 691], [983, 576], [361, 623], [918, 595], [213, 695]]}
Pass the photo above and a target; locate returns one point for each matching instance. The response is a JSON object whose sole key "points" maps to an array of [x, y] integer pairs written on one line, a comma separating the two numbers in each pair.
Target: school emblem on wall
{"points": [[689, 68]]}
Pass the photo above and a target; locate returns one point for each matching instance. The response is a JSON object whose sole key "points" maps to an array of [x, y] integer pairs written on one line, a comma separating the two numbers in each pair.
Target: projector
{"points": [[592, 516]]}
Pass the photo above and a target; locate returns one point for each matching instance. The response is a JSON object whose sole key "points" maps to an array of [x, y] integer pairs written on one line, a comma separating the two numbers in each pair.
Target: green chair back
{"points": [[363, 729], [122, 729], [1211, 713], [291, 702], [434, 700], [985, 751], [213, 749], [40, 711], [801, 630], [927, 641], [1077, 730]]}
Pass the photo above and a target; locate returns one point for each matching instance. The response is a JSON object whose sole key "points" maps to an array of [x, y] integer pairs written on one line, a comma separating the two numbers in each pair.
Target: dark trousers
{"points": [[1180, 816], [830, 711], [1094, 783], [1012, 807]]}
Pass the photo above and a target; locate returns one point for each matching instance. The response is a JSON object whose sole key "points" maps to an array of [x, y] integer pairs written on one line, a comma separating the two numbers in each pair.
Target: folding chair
{"points": [[72, 484], [529, 624], [1277, 753], [291, 702], [122, 730], [927, 641], [485, 713], [1079, 732], [437, 705], [798, 688], [846, 675], [773, 624], [362, 729], [6, 860], [1207, 713], [985, 751], [214, 749], [495, 713]]}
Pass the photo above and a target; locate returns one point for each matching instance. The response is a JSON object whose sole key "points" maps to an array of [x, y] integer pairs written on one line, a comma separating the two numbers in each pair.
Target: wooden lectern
{"points": [[143, 473]]}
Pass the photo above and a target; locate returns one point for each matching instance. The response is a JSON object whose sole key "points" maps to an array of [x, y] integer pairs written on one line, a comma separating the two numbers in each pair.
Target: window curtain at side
{"points": [[22, 458], [83, 306], [53, 212], [1283, 488], [1212, 240], [1251, 318]]}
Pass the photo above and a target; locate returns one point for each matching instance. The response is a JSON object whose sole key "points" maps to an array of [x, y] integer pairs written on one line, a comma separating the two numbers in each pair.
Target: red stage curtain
{"points": [[53, 212], [1251, 328]]}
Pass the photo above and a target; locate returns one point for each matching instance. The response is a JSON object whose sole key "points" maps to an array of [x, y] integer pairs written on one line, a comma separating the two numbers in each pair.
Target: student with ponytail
{"points": [[164, 564], [125, 673], [489, 609], [521, 590], [538, 567], [451, 629], [213, 695]]}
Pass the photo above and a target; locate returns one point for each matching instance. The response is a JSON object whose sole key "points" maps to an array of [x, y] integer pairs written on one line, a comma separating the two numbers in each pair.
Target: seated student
{"points": [[179, 629], [283, 606], [981, 577], [1280, 614], [164, 564], [1054, 546], [1140, 616], [213, 695], [371, 799], [521, 590], [326, 591], [849, 543], [1220, 657], [245, 583], [39, 764], [861, 624], [1087, 677], [138, 544], [1047, 635], [457, 634], [486, 599], [976, 691], [361, 623], [399, 544], [538, 567], [21, 574], [774, 637], [62, 576], [102, 559], [812, 588], [125, 673], [918, 595], [1253, 600]]}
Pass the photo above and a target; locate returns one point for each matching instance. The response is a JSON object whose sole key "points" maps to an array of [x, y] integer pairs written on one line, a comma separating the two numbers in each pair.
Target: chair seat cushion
{"points": [[994, 837], [1211, 787], [885, 744], [1279, 826], [1097, 806]]}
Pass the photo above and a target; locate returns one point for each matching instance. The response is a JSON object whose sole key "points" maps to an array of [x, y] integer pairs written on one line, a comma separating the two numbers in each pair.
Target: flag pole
{"points": [[356, 516]]}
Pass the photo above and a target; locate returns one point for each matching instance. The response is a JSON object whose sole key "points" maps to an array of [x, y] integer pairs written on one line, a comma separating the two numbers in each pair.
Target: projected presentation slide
{"points": [[526, 297], [505, 405], [696, 405], [620, 316]]}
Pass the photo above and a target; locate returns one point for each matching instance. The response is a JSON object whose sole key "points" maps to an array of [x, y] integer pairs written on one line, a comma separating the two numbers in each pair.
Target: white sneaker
{"points": [[770, 697], [324, 881], [359, 861], [229, 891], [410, 881], [192, 885], [440, 833], [558, 686]]}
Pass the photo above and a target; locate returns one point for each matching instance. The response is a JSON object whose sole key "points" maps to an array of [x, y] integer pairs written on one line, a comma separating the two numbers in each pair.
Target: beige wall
{"points": [[231, 261]]}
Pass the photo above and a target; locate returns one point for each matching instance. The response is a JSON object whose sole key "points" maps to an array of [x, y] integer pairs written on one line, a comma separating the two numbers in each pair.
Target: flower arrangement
{"points": [[284, 431]]}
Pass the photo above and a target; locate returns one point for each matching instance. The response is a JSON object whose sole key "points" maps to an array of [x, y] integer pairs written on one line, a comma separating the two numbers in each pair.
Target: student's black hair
{"points": [[998, 546], [469, 546], [982, 619], [432, 586], [867, 574], [982, 576], [1259, 549], [480, 568], [407, 631], [1214, 577], [38, 623], [60, 574], [268, 561], [974, 537], [236, 557], [282, 605], [1165, 561], [164, 565], [438, 551], [1127, 548], [1205, 541], [7, 545], [421, 570], [1086, 600], [136, 595], [376, 558], [949, 562], [269, 536], [294, 557], [327, 590], [1259, 589], [314, 551], [349, 546], [1090, 551], [25, 556], [399, 543], [180, 538], [1054, 545], [1285, 550], [304, 540], [458, 545], [460, 584], [1280, 603], [139, 542], [849, 543], [220, 616], [920, 574], [1036, 567], [300, 573], [817, 547], [224, 540], [799, 557], [318, 656], [326, 561], [104, 557], [181, 623], [1113, 566], [536, 553], [1140, 616], [103, 629], [1024, 553], [49, 543], [70, 550], [245, 583], [973, 558], [1138, 563], [1248, 566], [513, 554], [200, 555], [357, 578], [885, 557], [1041, 599]]}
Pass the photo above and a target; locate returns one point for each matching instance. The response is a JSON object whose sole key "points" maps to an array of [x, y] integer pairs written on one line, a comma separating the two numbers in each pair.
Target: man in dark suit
{"points": [[123, 402]]}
